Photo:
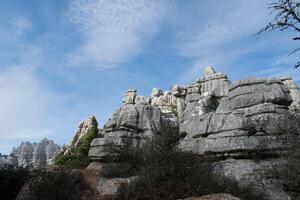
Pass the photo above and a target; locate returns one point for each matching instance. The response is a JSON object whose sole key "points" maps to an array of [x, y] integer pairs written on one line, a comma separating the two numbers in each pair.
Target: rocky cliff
{"points": [[83, 129], [34, 155], [249, 125]]}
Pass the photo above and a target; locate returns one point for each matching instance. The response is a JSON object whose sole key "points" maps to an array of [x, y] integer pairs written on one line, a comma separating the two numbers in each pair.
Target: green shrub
{"points": [[11, 181], [55, 185], [121, 161], [79, 158]]}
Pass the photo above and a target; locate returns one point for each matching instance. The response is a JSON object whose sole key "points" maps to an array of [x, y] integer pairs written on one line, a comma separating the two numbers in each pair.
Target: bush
{"points": [[164, 172], [79, 158], [121, 161], [171, 176], [11, 181], [55, 185]]}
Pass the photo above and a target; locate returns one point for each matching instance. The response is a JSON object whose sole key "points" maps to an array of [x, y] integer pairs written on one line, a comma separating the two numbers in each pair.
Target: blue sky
{"points": [[62, 61]]}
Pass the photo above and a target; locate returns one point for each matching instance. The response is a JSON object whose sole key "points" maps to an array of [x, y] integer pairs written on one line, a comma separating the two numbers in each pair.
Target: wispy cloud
{"points": [[222, 37], [21, 25], [23, 105], [228, 25], [115, 31]]}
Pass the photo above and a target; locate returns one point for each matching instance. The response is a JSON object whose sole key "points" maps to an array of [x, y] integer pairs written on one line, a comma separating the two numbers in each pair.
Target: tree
{"points": [[286, 17]]}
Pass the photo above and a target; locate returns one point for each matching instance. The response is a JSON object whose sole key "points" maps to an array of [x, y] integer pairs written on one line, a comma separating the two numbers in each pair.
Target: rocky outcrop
{"points": [[249, 125], [83, 129], [214, 197], [35, 155], [131, 124], [295, 94]]}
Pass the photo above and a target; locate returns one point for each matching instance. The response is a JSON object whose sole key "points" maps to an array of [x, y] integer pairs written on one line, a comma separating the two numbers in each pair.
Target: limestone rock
{"points": [[83, 129], [248, 125], [35, 155], [156, 92], [253, 121], [214, 83], [214, 197], [295, 93], [130, 97]]}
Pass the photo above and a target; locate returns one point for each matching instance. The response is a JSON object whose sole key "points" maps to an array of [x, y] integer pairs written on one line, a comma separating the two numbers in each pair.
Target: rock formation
{"points": [[83, 129], [34, 155], [214, 197], [248, 125]]}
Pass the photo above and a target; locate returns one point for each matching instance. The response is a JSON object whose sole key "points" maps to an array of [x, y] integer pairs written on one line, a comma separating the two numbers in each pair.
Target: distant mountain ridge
{"points": [[34, 155]]}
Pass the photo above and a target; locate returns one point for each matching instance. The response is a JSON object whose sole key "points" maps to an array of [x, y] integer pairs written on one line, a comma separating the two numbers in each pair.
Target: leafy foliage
{"points": [[55, 185], [79, 157], [11, 181]]}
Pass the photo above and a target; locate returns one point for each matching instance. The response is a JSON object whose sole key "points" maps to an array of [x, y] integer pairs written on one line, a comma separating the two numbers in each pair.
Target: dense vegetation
{"points": [[55, 185], [11, 181], [78, 158], [164, 172], [40, 184]]}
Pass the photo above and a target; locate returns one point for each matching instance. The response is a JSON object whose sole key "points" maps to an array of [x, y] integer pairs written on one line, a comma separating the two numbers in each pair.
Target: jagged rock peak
{"points": [[35, 155], [82, 130], [130, 97], [208, 71]]}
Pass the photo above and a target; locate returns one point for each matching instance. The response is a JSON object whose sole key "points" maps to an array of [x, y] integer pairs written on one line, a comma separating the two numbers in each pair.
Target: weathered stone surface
{"points": [[214, 197], [295, 93], [248, 125], [259, 175], [249, 92], [214, 83], [131, 124], [104, 187], [83, 129], [34, 155], [130, 97]]}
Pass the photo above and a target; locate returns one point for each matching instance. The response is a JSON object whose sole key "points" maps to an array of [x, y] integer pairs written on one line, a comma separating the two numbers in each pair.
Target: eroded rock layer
{"points": [[248, 125]]}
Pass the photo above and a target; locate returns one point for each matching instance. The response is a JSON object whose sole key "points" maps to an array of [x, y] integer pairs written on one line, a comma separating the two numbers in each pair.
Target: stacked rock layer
{"points": [[248, 125]]}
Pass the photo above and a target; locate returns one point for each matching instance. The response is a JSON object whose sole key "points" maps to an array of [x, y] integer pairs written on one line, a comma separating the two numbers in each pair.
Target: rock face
{"points": [[83, 128], [214, 197], [132, 123], [35, 155], [248, 125]]}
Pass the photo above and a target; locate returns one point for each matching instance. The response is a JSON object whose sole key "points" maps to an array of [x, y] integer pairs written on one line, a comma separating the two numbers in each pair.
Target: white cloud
{"points": [[238, 19], [24, 105], [115, 31]]}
